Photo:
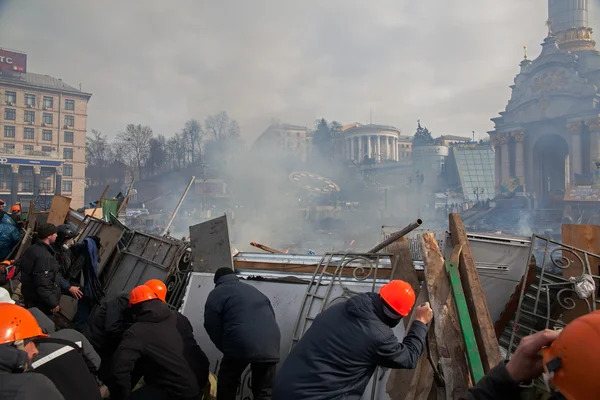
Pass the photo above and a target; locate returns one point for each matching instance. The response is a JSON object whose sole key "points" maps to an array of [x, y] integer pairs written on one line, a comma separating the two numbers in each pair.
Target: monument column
{"points": [[497, 163], [14, 187], [504, 151], [369, 148], [58, 184], [378, 148], [352, 149], [576, 159], [360, 150], [519, 137], [36, 180], [594, 128]]}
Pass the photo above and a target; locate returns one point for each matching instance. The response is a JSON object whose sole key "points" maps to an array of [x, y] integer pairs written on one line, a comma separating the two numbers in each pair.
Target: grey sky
{"points": [[447, 62]]}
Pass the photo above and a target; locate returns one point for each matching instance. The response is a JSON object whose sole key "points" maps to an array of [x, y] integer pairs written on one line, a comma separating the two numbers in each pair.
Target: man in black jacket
{"points": [[41, 280], [241, 323], [154, 344], [339, 353]]}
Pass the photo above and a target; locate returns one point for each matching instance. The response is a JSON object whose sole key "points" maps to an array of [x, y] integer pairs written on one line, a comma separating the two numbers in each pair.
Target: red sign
{"points": [[13, 61]]}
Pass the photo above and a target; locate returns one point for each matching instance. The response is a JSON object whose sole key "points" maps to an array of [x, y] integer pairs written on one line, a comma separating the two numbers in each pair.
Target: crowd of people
{"points": [[135, 346]]}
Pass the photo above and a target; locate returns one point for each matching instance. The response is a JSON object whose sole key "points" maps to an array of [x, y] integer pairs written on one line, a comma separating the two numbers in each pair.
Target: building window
{"points": [[29, 116], [10, 97], [10, 114], [48, 102], [28, 147], [46, 175], [47, 135], [68, 137], [69, 121], [9, 148], [69, 104], [47, 149], [67, 153], [26, 176], [48, 118], [67, 186], [28, 133], [5, 177], [9, 131], [67, 170], [30, 100]]}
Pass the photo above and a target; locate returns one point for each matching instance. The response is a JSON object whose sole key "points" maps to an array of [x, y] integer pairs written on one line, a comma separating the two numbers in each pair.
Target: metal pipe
{"points": [[187, 189], [397, 235]]}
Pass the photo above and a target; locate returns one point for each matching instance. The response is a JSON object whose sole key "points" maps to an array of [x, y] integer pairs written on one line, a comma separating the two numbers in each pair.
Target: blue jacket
{"points": [[9, 236]]}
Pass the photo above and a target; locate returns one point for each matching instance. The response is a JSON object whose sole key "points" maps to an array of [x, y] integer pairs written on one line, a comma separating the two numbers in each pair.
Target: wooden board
{"points": [[210, 245], [487, 342], [404, 268], [448, 336], [59, 209], [97, 212], [586, 238]]}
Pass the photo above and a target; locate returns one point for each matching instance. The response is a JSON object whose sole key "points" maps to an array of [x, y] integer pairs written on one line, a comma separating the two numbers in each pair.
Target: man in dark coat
{"points": [[41, 280], [240, 321], [339, 353], [155, 345]]}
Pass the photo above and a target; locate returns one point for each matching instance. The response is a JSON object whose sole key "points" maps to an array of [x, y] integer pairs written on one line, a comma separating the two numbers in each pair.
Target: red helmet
{"points": [[399, 295], [141, 293], [16, 323], [158, 287]]}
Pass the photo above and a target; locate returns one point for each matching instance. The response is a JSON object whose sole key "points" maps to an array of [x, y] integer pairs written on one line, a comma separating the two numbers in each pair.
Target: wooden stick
{"points": [[126, 199]]}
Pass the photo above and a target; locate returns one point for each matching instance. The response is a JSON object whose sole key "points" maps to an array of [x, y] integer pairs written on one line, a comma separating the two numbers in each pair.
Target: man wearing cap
{"points": [[339, 353], [41, 281]]}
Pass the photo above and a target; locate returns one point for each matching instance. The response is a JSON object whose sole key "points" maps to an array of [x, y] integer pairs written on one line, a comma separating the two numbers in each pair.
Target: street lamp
{"points": [[478, 191]]}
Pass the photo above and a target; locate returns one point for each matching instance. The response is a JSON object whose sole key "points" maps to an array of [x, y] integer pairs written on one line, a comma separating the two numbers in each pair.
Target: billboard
{"points": [[13, 61]]}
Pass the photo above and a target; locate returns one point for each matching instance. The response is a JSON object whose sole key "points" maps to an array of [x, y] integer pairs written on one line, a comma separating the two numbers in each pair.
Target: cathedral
{"points": [[547, 140]]}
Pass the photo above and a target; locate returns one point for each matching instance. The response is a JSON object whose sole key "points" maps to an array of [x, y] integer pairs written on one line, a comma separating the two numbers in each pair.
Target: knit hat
{"points": [[46, 230], [222, 272]]}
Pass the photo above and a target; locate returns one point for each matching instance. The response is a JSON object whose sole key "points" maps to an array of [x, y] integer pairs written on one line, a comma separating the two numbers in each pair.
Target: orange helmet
{"points": [[571, 359], [141, 293], [15, 208], [399, 295], [16, 323], [158, 287]]}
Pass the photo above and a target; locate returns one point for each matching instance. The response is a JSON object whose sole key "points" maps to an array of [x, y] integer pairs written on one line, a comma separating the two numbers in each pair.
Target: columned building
{"points": [[375, 144], [548, 137]]}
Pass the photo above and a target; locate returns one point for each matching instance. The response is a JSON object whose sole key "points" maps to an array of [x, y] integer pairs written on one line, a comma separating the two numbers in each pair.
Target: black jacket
{"points": [[63, 256], [498, 385], [241, 322], [40, 277], [339, 353], [154, 343], [67, 369], [196, 358], [107, 324], [18, 385]]}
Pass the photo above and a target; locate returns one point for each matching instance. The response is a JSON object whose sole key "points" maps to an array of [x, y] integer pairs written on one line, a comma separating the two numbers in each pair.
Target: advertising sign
{"points": [[13, 61], [6, 160]]}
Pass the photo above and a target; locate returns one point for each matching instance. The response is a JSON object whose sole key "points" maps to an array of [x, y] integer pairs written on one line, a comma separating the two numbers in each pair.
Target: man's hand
{"points": [[55, 309], [74, 290], [526, 363], [424, 313]]}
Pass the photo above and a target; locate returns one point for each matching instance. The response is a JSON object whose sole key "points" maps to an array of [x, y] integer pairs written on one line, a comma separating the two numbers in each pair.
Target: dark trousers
{"points": [[230, 372]]}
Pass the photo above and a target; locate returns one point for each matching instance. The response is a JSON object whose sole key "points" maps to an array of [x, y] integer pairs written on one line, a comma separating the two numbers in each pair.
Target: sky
{"points": [[159, 63]]}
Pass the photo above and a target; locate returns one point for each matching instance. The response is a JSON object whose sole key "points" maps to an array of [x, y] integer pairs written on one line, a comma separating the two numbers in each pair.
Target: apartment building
{"points": [[42, 135]]}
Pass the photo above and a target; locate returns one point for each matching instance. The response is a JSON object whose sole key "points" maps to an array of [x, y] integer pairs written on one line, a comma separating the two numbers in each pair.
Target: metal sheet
{"points": [[287, 299], [210, 245]]}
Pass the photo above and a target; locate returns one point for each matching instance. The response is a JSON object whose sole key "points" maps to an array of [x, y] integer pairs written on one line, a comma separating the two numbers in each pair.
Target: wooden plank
{"points": [[448, 336], [403, 267], [487, 342], [513, 303], [586, 238], [59, 209], [413, 383]]}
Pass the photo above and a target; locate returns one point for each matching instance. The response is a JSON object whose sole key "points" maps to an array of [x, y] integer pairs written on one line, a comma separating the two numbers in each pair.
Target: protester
{"points": [[339, 353], [196, 358], [40, 273], [15, 214], [154, 344], [240, 321], [17, 350], [10, 235]]}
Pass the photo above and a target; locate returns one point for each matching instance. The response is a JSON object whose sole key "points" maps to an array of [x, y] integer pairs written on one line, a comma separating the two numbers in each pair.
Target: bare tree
{"points": [[98, 151], [157, 157], [192, 136], [136, 142], [221, 127]]}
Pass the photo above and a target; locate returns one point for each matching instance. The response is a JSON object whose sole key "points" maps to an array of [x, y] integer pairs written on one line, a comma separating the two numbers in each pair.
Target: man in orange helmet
{"points": [[339, 353], [153, 345], [193, 354], [18, 328]]}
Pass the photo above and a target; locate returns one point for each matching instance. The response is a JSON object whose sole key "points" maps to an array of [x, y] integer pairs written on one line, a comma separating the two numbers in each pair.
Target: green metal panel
{"points": [[475, 365], [109, 206]]}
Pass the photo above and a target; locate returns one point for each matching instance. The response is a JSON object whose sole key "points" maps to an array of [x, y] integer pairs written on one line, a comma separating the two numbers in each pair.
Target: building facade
{"points": [[548, 136], [370, 144], [289, 140], [42, 137]]}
